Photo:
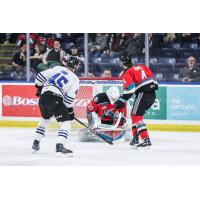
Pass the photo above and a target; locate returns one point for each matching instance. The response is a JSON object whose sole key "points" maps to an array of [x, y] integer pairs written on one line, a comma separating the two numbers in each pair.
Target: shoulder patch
{"points": [[90, 107]]}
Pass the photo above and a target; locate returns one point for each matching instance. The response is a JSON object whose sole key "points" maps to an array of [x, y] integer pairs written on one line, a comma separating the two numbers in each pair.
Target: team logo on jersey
{"points": [[96, 99], [90, 107]]}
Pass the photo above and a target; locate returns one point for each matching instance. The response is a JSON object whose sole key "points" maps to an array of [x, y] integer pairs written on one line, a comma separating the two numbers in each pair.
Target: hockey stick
{"points": [[93, 131]]}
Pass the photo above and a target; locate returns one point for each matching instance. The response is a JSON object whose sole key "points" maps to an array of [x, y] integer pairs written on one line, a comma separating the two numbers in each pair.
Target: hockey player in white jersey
{"points": [[57, 89]]}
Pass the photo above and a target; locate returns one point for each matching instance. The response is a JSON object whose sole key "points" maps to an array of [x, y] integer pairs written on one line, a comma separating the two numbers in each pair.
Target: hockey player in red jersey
{"points": [[137, 80], [112, 120], [103, 105]]}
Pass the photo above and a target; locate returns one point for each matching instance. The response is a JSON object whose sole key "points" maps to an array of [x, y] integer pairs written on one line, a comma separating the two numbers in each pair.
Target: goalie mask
{"points": [[113, 94]]}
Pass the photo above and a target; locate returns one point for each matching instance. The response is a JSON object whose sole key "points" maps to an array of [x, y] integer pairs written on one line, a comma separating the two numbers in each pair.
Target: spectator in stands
{"points": [[34, 38], [90, 74], [36, 57], [134, 44], [99, 45], [191, 73], [131, 47], [107, 73], [115, 46], [8, 38], [140, 44], [19, 63], [21, 39], [74, 52], [188, 38], [46, 40], [69, 39], [116, 42], [52, 57], [107, 55], [155, 43], [169, 38]]}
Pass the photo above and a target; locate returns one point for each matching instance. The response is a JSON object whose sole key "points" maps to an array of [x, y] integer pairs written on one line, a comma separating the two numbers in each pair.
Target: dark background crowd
{"points": [[174, 57]]}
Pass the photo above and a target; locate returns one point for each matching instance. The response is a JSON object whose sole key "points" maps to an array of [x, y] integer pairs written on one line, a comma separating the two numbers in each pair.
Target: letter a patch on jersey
{"points": [[144, 76]]}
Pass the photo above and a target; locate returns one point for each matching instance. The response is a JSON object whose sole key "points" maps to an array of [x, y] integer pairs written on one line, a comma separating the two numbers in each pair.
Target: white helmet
{"points": [[113, 94]]}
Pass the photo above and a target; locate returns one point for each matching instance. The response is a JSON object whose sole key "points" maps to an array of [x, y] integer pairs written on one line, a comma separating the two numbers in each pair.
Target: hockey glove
{"points": [[120, 103], [39, 89], [71, 113]]}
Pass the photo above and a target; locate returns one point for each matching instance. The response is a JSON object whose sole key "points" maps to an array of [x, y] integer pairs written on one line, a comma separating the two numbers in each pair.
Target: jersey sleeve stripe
{"points": [[129, 91], [68, 102], [69, 97], [40, 80], [41, 77], [131, 86]]}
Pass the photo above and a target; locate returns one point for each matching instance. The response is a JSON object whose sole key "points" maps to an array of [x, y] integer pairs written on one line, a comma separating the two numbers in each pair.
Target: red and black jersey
{"points": [[139, 79], [101, 106]]}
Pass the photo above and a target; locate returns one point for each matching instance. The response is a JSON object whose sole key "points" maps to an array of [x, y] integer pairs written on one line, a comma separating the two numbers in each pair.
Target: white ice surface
{"points": [[168, 148]]}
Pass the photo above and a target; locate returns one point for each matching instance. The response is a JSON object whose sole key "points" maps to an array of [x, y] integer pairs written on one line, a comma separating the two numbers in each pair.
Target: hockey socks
{"points": [[137, 120]]}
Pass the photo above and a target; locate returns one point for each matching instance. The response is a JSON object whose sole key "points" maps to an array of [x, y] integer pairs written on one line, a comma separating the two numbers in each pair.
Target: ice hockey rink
{"points": [[169, 148]]}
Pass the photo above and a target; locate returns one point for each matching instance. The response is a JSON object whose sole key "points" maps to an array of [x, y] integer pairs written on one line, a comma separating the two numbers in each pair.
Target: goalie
{"points": [[112, 121]]}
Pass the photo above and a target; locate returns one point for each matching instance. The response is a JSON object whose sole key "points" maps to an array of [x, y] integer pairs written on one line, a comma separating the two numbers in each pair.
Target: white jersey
{"points": [[61, 81]]}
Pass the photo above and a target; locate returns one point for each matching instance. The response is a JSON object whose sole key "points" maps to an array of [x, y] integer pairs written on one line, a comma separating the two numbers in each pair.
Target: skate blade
{"points": [[62, 155], [143, 148], [34, 151], [133, 146]]}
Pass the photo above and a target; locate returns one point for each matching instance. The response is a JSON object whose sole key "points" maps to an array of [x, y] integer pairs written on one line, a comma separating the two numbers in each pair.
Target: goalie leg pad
{"points": [[111, 135], [85, 135]]}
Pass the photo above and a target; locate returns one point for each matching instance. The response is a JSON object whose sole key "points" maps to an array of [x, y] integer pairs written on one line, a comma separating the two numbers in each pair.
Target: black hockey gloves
{"points": [[120, 103], [39, 89], [71, 113]]}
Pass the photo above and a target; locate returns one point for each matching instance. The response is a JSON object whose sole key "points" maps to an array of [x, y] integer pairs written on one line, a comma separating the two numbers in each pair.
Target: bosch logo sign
{"points": [[7, 101], [18, 101]]}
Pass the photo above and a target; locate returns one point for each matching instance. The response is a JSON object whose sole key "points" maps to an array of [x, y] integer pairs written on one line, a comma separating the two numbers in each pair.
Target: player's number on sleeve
{"points": [[143, 74], [58, 79]]}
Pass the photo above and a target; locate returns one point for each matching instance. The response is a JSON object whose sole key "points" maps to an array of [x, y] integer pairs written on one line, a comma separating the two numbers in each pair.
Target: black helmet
{"points": [[72, 62], [126, 60]]}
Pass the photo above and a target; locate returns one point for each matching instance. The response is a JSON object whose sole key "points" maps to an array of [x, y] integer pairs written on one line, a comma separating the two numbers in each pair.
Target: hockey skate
{"points": [[145, 144], [36, 146], [135, 141], [60, 149]]}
